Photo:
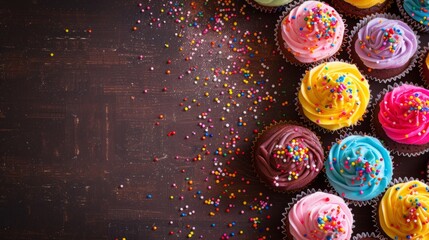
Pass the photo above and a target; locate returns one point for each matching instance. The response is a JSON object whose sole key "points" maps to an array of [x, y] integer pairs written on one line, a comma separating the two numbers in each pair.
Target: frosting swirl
{"points": [[312, 31], [364, 3], [359, 167], [385, 43], [288, 157], [418, 10], [320, 216], [334, 95], [404, 115], [272, 3], [403, 211]]}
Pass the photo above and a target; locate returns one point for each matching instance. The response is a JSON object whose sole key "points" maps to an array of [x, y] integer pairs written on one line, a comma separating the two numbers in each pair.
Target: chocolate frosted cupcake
{"points": [[287, 157], [359, 168], [361, 8], [333, 95], [318, 215], [309, 32], [402, 213], [383, 47], [400, 118]]}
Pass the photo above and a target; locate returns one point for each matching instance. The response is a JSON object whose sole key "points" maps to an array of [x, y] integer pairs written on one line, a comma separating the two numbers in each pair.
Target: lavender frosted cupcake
{"points": [[384, 47]]}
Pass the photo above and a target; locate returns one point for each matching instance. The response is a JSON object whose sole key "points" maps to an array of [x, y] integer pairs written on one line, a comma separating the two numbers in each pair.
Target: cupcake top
{"points": [[385, 43], [404, 114], [312, 31], [334, 95], [320, 216], [418, 10], [288, 157], [364, 3], [359, 167], [272, 3], [403, 211]]}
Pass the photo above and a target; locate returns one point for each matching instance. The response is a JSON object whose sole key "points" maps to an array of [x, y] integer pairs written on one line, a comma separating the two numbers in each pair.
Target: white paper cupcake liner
{"points": [[356, 203], [315, 126], [367, 235], [264, 8], [253, 149], [297, 63], [378, 200], [420, 27], [422, 62], [374, 118], [298, 197], [350, 46]]}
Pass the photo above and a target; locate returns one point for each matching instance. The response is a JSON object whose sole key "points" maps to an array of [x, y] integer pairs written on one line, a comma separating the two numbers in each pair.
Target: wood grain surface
{"points": [[95, 141]]}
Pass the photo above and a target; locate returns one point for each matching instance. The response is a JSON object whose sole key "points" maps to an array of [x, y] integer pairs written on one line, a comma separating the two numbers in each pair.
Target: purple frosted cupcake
{"points": [[384, 47]]}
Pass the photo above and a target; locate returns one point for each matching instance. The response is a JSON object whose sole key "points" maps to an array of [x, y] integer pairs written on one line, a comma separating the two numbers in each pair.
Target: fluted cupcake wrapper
{"points": [[298, 63], [264, 8], [367, 235], [393, 149], [422, 62], [384, 9], [420, 27], [356, 203], [350, 46], [253, 159], [378, 200], [314, 125], [298, 197]]}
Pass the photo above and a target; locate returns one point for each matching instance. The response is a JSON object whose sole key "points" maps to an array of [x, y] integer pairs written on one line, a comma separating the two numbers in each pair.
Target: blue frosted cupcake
{"points": [[359, 168], [416, 13]]}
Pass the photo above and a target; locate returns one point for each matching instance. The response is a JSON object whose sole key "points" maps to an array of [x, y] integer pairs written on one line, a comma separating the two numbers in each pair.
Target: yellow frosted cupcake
{"points": [[361, 8], [334, 95], [403, 211]]}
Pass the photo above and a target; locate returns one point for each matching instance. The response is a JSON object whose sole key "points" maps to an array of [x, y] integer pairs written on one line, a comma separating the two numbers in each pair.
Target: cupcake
{"points": [[383, 47], [308, 32], [416, 12], [403, 212], [318, 215], [401, 119], [424, 65], [359, 167], [268, 5], [361, 8], [333, 95], [287, 157]]}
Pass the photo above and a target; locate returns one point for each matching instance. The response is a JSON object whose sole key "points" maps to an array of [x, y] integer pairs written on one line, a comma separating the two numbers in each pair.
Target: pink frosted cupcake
{"points": [[309, 32], [318, 215], [401, 119]]}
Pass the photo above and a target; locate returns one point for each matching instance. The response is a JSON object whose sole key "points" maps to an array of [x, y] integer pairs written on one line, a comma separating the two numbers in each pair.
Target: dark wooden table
{"points": [[112, 129]]}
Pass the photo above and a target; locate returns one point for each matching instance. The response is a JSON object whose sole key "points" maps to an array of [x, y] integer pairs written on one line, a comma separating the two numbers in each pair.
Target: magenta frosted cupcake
{"points": [[384, 47], [309, 31], [401, 119]]}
